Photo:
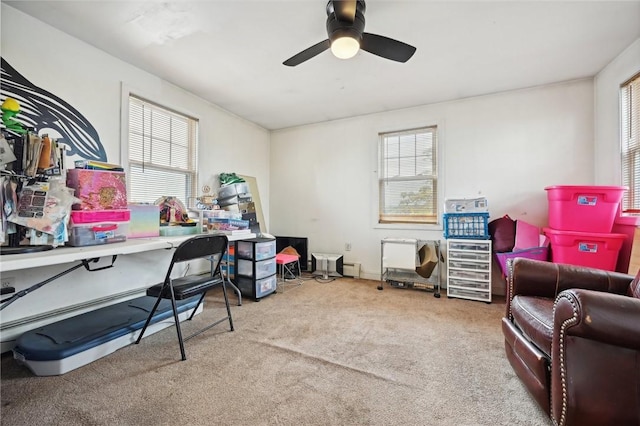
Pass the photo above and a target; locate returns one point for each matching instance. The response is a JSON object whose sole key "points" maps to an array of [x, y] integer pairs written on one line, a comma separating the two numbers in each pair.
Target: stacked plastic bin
{"points": [[466, 218], [466, 228], [580, 222], [102, 215]]}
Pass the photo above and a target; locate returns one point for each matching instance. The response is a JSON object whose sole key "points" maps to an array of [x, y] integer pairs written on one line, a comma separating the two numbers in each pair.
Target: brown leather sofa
{"points": [[572, 335]]}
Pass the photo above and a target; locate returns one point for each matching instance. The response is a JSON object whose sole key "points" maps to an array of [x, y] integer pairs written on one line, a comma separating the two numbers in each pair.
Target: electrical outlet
{"points": [[7, 282], [347, 246]]}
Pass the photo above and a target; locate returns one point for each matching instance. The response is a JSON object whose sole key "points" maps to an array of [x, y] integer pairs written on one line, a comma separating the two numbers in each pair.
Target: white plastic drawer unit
{"points": [[469, 269]]}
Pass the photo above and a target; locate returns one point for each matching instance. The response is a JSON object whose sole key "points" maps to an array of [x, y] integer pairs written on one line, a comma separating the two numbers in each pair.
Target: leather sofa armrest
{"points": [[594, 358], [603, 317]]}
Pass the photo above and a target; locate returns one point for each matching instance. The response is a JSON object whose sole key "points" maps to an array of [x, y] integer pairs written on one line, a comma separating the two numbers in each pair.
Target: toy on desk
{"points": [[173, 212], [10, 108]]}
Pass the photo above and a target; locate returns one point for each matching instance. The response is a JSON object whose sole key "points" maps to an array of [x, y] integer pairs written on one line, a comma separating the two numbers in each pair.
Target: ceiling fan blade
{"points": [[387, 47], [307, 54], [345, 9]]}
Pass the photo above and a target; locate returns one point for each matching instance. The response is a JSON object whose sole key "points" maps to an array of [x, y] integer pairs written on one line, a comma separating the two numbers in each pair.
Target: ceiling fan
{"points": [[345, 28]]}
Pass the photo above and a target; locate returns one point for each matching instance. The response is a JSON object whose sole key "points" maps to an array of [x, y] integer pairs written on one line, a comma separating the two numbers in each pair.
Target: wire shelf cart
{"points": [[399, 258]]}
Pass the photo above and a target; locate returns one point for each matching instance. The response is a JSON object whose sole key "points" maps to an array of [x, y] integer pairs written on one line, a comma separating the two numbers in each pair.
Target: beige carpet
{"points": [[339, 353]]}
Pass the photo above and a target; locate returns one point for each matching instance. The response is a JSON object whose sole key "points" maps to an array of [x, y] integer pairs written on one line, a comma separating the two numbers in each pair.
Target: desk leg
{"points": [[233, 286]]}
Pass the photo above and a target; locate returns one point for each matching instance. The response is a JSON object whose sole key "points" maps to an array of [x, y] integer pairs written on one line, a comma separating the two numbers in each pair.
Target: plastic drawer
{"points": [[264, 249], [467, 255], [476, 266], [469, 294], [470, 245], [91, 234], [480, 285], [263, 268], [257, 288], [472, 275]]}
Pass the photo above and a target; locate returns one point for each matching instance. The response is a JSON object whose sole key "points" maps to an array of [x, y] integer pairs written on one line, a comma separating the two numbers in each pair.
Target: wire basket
{"points": [[466, 225]]}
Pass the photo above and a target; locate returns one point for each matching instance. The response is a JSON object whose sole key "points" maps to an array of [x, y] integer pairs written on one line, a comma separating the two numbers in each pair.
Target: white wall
{"points": [[92, 81], [607, 113], [506, 147]]}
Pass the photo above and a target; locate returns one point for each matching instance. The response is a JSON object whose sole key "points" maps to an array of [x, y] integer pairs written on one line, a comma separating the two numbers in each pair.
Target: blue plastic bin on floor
{"points": [[71, 343]]}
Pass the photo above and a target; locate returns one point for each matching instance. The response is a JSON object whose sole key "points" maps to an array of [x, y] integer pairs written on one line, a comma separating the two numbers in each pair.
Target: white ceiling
{"points": [[231, 52]]}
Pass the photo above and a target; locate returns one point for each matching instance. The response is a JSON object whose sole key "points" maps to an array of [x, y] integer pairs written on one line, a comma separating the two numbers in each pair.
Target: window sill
{"points": [[409, 226]]}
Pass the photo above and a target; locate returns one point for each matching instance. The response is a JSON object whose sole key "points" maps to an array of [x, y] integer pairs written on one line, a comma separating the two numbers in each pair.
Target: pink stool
{"points": [[287, 264]]}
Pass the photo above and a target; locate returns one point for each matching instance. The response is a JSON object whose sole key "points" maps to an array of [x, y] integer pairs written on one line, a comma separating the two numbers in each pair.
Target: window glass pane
{"points": [[408, 183], [407, 166], [162, 153], [423, 166], [393, 147], [630, 142], [180, 157], [147, 185]]}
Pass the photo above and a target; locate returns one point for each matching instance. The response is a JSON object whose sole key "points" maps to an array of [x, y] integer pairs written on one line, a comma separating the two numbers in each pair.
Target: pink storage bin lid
{"points": [[93, 216], [612, 194]]}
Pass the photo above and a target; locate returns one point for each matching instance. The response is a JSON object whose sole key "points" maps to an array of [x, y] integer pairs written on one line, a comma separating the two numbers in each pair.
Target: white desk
{"points": [[57, 256], [83, 290], [15, 262]]}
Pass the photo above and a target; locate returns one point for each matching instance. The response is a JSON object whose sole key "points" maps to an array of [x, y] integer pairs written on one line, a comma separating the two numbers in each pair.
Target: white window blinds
{"points": [[162, 153], [630, 144], [408, 176]]}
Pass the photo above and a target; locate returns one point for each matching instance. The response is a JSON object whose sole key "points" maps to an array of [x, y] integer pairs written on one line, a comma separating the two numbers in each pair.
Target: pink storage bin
{"points": [[92, 216], [585, 249], [583, 208], [98, 189], [537, 253]]}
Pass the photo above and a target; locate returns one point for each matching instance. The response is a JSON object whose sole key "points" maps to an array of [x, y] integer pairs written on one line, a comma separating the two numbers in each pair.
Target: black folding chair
{"points": [[210, 247]]}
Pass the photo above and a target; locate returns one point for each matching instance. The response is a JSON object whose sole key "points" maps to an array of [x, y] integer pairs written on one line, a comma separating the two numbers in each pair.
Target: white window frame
{"points": [[127, 162], [630, 142], [439, 146]]}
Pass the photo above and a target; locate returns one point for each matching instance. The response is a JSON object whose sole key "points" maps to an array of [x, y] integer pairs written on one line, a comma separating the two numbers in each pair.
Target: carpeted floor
{"points": [[339, 353]]}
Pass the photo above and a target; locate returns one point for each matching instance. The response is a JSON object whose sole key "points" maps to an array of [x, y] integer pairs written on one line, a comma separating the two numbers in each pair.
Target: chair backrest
{"points": [[201, 246]]}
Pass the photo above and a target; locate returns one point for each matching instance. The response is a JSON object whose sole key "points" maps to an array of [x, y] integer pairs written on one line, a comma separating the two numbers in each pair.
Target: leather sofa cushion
{"points": [[534, 317]]}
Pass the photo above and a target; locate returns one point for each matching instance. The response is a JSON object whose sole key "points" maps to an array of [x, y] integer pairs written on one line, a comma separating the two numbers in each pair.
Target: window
{"points": [[162, 153], [630, 146], [408, 178]]}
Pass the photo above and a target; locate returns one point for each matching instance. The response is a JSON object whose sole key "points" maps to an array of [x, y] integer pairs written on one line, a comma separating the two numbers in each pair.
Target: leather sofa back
{"points": [[528, 277]]}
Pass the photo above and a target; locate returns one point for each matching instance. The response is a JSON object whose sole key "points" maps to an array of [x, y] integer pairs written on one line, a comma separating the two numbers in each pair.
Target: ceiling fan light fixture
{"points": [[345, 47]]}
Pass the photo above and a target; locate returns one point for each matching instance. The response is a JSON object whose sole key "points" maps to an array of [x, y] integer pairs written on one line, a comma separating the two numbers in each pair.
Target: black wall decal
{"points": [[41, 109]]}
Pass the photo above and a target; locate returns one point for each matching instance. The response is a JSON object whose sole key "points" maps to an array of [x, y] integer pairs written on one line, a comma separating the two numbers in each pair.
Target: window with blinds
{"points": [[630, 144], [408, 176], [162, 153]]}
